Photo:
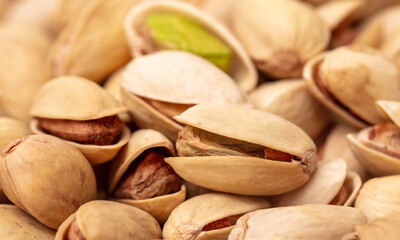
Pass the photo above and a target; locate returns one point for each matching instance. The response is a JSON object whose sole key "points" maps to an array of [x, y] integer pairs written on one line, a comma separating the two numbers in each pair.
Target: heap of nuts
{"points": [[200, 119]]}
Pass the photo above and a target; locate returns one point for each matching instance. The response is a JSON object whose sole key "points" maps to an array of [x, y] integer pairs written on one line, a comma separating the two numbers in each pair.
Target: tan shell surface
{"points": [[291, 100], [250, 125], [17, 225], [391, 46], [379, 228], [336, 12], [113, 84], [375, 162], [95, 154], [391, 109], [311, 222], [352, 185], [74, 98], [11, 129], [242, 70], [193, 214], [379, 197], [43, 165]]}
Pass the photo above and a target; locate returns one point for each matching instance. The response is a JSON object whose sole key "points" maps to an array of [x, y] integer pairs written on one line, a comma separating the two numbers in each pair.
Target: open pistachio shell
{"points": [[337, 12], [279, 55], [291, 100], [387, 228], [140, 141], [242, 69], [111, 220], [390, 109], [379, 197], [311, 222], [187, 220], [244, 174], [17, 225]]}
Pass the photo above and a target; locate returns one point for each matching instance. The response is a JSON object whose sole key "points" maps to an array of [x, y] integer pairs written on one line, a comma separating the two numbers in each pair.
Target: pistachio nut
{"points": [[108, 220], [82, 113], [140, 177], [17, 225], [73, 52], [291, 100], [209, 216], [311, 222], [46, 177], [158, 25], [331, 183], [240, 150], [387, 228], [279, 50], [182, 80], [11, 129], [378, 197], [333, 77]]}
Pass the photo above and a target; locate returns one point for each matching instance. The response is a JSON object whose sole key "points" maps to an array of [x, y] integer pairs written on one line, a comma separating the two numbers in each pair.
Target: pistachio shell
{"points": [[378, 197], [391, 109], [279, 55], [62, 98], [352, 185], [336, 12], [17, 225], [382, 227], [113, 84], [188, 219], [220, 10], [391, 46], [111, 220], [11, 129], [243, 71], [65, 177], [311, 222], [291, 100]]}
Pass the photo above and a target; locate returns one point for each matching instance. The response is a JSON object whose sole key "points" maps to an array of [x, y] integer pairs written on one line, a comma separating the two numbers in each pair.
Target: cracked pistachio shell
{"points": [[140, 141], [338, 12], [241, 174], [46, 177], [311, 222], [17, 225], [188, 219], [265, 28], [347, 68], [387, 228], [181, 78], [111, 220], [73, 52], [379, 197], [291, 100], [390, 109], [242, 70]]}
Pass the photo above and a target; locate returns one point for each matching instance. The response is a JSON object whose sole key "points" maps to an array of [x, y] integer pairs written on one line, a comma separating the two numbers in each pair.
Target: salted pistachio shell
{"points": [[337, 12], [279, 55], [387, 228], [64, 175], [390, 109], [378, 197], [242, 70], [188, 219], [111, 220], [312, 222], [291, 100], [17, 225], [73, 52]]}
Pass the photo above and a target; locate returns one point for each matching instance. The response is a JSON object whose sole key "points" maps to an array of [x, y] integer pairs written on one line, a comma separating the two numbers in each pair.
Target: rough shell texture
{"points": [[41, 174], [111, 220], [74, 98], [188, 219], [243, 71], [17, 225], [11, 129], [311, 222]]}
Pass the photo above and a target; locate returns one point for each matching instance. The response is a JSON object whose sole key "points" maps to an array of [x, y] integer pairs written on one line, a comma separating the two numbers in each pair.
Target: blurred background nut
{"points": [[46, 177], [387, 228]]}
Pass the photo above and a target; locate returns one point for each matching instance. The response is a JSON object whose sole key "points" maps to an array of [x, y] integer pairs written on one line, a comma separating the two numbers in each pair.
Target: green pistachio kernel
{"points": [[171, 31]]}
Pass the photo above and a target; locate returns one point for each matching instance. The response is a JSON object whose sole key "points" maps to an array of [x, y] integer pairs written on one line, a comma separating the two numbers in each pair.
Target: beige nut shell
{"points": [[242, 69], [140, 141], [382, 227], [338, 12], [189, 218], [11, 129], [111, 220]]}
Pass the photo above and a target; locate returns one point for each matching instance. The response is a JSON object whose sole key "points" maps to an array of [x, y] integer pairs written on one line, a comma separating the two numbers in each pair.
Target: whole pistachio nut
{"points": [[240, 150], [311, 222], [387, 228], [266, 30], [17, 225], [209, 216], [140, 177], [379, 197], [108, 220], [82, 113], [163, 25], [334, 76], [291, 100], [182, 80], [46, 177]]}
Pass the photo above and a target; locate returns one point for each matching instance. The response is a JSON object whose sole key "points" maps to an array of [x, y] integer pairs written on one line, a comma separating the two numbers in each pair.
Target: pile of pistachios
{"points": [[200, 119]]}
